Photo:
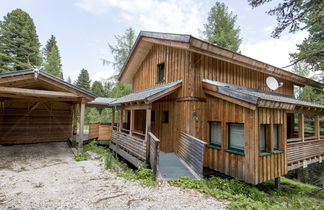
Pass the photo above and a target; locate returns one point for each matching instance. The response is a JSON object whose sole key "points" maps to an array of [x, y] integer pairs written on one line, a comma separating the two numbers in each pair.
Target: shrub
{"points": [[81, 156]]}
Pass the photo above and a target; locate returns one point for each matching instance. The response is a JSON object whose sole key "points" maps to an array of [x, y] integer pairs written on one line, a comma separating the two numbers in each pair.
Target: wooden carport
{"points": [[38, 107]]}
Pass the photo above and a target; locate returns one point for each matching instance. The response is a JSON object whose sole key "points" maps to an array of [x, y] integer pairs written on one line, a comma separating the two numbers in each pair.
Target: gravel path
{"points": [[45, 176]]}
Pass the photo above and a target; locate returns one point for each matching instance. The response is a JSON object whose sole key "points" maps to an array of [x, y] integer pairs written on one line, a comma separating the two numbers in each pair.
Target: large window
{"points": [[263, 138], [160, 72], [215, 137], [275, 136], [236, 137]]}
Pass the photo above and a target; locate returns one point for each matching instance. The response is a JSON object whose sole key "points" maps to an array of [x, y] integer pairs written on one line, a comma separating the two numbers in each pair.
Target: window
{"points": [[153, 116], [236, 137], [160, 72], [215, 137], [165, 117], [309, 122], [263, 138], [275, 137]]}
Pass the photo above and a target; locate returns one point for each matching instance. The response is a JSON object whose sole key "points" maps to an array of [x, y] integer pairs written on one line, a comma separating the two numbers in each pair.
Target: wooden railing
{"points": [[154, 143], [192, 150], [302, 151], [134, 146]]}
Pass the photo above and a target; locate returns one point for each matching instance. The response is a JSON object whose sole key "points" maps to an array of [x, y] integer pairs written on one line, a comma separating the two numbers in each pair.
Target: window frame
{"points": [[213, 145], [231, 149], [160, 67]]}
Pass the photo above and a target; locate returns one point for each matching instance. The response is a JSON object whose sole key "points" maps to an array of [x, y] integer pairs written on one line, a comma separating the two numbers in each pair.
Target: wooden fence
{"points": [[100, 131], [192, 150], [154, 152], [301, 153]]}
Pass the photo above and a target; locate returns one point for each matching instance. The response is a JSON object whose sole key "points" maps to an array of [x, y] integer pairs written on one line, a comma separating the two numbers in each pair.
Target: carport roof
{"points": [[49, 76]]}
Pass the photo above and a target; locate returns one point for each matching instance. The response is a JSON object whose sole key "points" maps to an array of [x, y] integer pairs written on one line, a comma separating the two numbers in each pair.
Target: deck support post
{"points": [[120, 120], [113, 117], [301, 127], [277, 182], [131, 126], [147, 130], [317, 126], [82, 116]]}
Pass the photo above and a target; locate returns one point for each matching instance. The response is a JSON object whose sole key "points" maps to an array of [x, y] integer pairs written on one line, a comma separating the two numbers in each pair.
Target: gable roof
{"points": [[148, 95], [257, 97], [15, 74], [146, 39]]}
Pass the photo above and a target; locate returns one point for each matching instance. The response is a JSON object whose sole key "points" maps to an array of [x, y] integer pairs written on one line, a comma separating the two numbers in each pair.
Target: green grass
{"points": [[143, 175], [81, 157], [292, 195]]}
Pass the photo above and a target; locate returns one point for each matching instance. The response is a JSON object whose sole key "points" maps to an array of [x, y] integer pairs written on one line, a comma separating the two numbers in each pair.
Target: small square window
{"points": [[165, 117], [215, 137], [160, 72], [153, 116]]}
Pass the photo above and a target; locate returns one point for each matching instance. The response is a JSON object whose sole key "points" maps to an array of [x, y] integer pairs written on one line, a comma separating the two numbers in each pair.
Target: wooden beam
{"points": [[120, 119], [210, 87], [131, 127], [75, 124], [147, 130], [317, 126], [82, 116], [36, 93], [138, 107], [301, 126], [232, 100]]}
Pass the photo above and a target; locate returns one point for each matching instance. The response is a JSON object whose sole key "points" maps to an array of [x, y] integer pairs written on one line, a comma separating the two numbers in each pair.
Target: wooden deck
{"points": [[302, 153]]}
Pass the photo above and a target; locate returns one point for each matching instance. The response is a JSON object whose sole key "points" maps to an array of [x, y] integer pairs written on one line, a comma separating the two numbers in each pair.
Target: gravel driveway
{"points": [[45, 176]]}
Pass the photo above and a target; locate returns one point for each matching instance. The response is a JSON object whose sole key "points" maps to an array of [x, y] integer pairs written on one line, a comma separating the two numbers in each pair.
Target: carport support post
{"points": [[82, 114], [75, 124]]}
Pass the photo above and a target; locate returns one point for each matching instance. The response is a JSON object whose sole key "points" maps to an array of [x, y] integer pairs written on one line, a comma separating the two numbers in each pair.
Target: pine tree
{"points": [[19, 44], [97, 88], [69, 80], [52, 58], [220, 28], [83, 80]]}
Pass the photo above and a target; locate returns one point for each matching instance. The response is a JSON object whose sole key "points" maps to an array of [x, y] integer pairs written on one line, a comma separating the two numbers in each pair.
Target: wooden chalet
{"points": [[213, 109], [38, 107]]}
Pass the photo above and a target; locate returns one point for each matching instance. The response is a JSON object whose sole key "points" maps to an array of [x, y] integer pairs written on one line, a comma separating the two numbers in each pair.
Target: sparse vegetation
{"points": [[145, 176], [39, 185], [81, 156], [292, 195]]}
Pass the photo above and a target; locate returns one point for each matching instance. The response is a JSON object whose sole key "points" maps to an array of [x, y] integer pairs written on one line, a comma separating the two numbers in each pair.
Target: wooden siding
{"points": [[240, 166], [99, 131], [274, 165], [191, 68], [47, 122]]}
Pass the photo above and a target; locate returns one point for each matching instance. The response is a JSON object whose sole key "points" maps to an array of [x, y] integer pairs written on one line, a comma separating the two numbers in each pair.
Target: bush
{"points": [[81, 156]]}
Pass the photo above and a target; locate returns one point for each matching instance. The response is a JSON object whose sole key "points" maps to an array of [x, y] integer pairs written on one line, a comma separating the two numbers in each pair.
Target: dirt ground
{"points": [[45, 176]]}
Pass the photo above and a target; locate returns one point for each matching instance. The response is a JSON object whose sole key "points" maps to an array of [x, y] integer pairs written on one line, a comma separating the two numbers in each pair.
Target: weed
{"points": [[245, 196], [18, 193], [39, 185], [22, 168], [93, 147], [81, 156]]}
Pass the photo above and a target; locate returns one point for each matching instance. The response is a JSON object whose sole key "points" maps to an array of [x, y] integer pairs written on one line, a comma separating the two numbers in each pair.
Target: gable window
{"points": [[160, 72], [263, 138], [275, 137], [165, 117], [215, 137], [236, 137]]}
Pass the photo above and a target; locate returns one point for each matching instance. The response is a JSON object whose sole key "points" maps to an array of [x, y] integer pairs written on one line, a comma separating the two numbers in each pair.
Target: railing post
{"points": [[301, 126], [317, 126], [131, 126], [120, 119]]}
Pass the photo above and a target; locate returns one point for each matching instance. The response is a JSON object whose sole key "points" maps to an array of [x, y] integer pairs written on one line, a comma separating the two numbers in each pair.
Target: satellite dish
{"points": [[272, 83]]}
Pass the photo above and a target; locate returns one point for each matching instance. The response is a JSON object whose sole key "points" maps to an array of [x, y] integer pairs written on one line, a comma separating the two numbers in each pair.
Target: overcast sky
{"points": [[84, 28]]}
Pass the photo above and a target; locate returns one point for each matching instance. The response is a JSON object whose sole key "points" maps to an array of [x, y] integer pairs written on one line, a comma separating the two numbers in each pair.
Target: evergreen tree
{"points": [[69, 80], [52, 58], [83, 80], [19, 44], [121, 51], [220, 28], [97, 89]]}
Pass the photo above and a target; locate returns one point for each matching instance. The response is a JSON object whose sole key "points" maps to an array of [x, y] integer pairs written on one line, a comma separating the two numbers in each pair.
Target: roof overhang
{"points": [[145, 41]]}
